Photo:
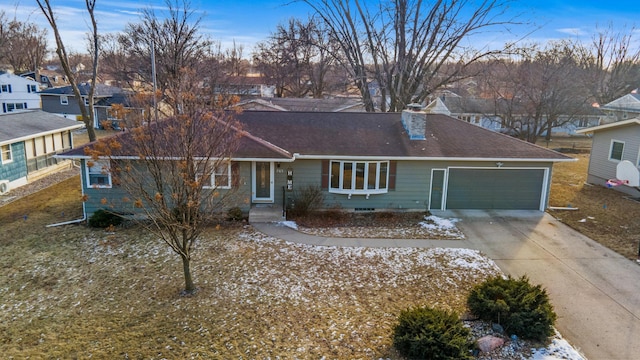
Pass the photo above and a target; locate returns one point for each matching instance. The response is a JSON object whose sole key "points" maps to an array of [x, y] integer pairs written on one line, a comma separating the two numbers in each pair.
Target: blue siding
{"points": [[18, 167], [115, 198], [411, 191], [413, 183]]}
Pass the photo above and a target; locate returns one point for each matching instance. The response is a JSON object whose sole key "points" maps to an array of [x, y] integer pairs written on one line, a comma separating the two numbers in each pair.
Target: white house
{"points": [[623, 108], [18, 93]]}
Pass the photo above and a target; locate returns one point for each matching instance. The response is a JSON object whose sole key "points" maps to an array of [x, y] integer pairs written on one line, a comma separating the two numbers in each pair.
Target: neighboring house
{"points": [[487, 114], [62, 101], [116, 116], [613, 143], [28, 141], [18, 93], [368, 162], [344, 104], [245, 86], [477, 111], [623, 108]]}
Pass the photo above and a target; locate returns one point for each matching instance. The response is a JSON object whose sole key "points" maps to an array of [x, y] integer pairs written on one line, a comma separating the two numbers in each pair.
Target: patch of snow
{"points": [[446, 226], [558, 349], [290, 224]]}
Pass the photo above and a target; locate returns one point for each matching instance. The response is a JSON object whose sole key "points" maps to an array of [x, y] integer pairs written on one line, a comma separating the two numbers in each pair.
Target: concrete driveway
{"points": [[595, 291]]}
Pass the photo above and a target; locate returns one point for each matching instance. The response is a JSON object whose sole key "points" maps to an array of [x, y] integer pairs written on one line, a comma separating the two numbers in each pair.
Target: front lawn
{"points": [[76, 292]]}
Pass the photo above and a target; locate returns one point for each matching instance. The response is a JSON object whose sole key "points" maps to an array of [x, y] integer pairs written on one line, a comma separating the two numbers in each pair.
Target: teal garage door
{"points": [[509, 189]]}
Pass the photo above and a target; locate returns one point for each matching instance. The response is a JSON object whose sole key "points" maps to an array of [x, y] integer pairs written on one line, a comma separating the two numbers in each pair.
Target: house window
{"points": [[617, 148], [353, 177], [31, 88], [64, 100], [6, 88], [14, 106], [220, 177], [86, 101], [98, 174], [7, 155]]}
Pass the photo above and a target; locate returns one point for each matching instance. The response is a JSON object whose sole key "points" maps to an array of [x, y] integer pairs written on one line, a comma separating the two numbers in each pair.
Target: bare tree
{"points": [[179, 48], [234, 63], [4, 29], [180, 177], [533, 94], [297, 58], [116, 63], [88, 113], [284, 59], [612, 64], [24, 45], [402, 45]]}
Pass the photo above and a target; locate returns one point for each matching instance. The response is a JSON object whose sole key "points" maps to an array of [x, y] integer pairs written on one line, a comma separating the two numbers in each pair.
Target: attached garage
{"points": [[496, 188]]}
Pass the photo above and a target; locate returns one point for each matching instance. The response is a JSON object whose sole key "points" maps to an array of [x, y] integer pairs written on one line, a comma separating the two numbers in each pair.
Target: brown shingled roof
{"points": [[382, 135], [282, 135]]}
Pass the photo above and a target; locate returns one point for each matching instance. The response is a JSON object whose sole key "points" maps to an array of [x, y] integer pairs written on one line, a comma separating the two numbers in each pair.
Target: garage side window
{"points": [[353, 177], [7, 155], [617, 148], [98, 174]]}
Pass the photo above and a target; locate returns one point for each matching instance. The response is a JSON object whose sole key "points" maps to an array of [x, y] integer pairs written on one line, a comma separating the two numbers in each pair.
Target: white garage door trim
{"points": [[545, 181]]}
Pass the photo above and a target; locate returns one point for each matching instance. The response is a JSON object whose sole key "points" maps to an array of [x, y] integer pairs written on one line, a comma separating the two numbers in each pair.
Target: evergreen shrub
{"points": [[520, 307], [427, 333]]}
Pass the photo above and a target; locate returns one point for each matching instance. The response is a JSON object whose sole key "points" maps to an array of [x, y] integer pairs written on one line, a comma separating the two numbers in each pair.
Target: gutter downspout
{"points": [[84, 209], [68, 222]]}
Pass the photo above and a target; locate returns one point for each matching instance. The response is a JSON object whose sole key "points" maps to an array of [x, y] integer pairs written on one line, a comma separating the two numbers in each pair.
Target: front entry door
{"points": [[262, 181]]}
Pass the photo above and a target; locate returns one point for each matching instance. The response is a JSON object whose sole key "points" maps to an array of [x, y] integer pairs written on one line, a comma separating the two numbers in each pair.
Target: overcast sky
{"points": [[248, 22]]}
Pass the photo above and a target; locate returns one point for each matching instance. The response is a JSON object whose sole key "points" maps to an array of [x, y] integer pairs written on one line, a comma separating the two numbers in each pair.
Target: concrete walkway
{"points": [[595, 291]]}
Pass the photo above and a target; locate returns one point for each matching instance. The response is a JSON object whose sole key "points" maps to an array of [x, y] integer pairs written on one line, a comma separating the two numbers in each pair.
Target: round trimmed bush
{"points": [[521, 308], [427, 333], [235, 214]]}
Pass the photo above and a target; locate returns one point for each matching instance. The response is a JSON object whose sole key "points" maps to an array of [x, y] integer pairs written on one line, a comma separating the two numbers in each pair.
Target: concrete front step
{"points": [[265, 214]]}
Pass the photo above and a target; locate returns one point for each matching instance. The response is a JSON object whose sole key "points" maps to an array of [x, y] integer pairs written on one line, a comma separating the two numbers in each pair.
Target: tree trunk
{"points": [[91, 131], [189, 288]]}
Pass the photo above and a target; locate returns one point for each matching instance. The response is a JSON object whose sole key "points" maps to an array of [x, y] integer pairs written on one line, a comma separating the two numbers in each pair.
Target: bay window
{"points": [[359, 177]]}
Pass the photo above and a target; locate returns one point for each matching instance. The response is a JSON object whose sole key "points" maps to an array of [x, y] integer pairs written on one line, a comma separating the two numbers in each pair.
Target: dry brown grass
{"points": [[80, 137], [76, 292], [605, 215]]}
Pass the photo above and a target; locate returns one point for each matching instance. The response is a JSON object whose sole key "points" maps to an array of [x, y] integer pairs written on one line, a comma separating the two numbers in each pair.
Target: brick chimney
{"points": [[414, 121]]}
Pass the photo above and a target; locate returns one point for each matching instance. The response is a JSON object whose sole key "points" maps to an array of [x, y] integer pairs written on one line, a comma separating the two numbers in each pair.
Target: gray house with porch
{"points": [[410, 161]]}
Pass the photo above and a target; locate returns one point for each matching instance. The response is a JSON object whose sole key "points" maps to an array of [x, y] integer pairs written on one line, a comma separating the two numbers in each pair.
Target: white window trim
{"points": [[64, 100], [104, 166], [86, 101], [611, 150], [354, 191], [10, 160], [212, 178]]}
